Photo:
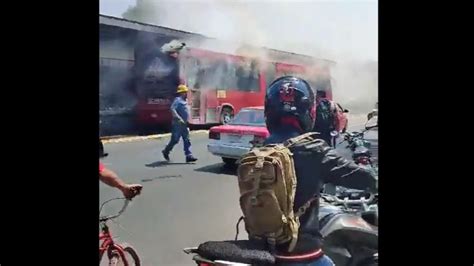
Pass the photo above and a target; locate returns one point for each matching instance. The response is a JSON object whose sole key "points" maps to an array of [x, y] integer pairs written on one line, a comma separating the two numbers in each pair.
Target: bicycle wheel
{"points": [[114, 257], [131, 255]]}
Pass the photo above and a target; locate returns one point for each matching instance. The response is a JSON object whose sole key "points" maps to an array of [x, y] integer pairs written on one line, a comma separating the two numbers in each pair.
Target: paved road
{"points": [[182, 204]]}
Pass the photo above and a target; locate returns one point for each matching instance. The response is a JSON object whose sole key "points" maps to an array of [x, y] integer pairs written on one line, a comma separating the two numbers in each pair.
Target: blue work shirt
{"points": [[181, 107]]}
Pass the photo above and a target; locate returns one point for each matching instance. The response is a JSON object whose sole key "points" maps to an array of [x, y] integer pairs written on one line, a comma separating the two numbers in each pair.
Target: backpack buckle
{"points": [[253, 201], [271, 242], [259, 163]]}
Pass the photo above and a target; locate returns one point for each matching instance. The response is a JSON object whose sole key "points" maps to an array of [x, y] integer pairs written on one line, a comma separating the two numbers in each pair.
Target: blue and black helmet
{"points": [[290, 96]]}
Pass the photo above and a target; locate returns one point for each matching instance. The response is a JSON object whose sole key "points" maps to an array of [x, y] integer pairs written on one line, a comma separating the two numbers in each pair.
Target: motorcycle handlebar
{"points": [[349, 136], [362, 200]]}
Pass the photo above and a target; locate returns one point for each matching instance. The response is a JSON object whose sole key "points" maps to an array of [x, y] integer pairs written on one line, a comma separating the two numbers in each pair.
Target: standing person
{"points": [[179, 125], [289, 111], [326, 117]]}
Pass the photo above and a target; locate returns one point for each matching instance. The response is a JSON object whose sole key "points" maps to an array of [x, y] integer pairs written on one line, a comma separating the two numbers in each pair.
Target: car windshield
{"points": [[249, 117]]}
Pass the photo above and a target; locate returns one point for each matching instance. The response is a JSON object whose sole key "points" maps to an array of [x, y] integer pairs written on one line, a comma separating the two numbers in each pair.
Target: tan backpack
{"points": [[267, 183]]}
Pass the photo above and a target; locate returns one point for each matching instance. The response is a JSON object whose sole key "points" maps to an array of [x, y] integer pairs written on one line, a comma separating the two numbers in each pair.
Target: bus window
{"points": [[247, 76], [322, 84], [290, 73], [191, 68], [210, 74], [270, 73], [226, 69], [253, 77]]}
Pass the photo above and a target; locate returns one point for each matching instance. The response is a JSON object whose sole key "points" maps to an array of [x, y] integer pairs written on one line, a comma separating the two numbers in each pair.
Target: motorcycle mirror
{"points": [[190, 250], [372, 123], [371, 127]]}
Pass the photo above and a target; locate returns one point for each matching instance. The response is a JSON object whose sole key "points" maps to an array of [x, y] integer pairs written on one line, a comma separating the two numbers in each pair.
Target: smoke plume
{"points": [[342, 31]]}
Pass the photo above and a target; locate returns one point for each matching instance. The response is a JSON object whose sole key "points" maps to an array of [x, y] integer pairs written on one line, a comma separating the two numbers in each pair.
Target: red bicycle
{"points": [[118, 254]]}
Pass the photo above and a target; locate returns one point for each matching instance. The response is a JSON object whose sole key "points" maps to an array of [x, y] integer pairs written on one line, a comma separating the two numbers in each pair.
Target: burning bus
{"points": [[220, 85], [220, 82]]}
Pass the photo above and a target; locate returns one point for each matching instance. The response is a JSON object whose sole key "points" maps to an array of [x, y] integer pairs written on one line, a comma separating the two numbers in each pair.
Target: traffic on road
{"points": [[284, 174]]}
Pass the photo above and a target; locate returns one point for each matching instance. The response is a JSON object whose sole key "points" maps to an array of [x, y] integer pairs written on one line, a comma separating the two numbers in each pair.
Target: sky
{"points": [[337, 29]]}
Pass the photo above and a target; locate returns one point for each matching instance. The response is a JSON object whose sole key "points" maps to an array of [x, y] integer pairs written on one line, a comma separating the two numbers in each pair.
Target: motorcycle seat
{"points": [[241, 251]]}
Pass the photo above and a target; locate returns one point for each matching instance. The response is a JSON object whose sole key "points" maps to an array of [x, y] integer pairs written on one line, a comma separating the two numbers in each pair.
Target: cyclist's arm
{"points": [[110, 178], [341, 172]]}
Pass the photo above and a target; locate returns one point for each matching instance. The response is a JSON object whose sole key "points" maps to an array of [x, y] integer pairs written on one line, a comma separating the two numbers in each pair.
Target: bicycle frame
{"points": [[108, 245]]}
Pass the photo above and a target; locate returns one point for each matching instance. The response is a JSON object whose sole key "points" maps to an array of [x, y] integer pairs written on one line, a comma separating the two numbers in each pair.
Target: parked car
{"points": [[236, 138]]}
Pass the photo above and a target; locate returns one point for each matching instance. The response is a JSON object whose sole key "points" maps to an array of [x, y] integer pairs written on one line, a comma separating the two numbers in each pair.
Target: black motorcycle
{"points": [[348, 223], [360, 148]]}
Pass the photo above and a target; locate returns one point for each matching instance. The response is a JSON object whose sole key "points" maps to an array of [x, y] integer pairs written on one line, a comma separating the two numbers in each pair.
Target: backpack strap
{"points": [[302, 210], [309, 136], [261, 153]]}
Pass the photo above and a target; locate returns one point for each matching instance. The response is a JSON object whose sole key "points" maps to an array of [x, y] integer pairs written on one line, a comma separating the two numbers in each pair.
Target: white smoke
{"points": [[342, 31]]}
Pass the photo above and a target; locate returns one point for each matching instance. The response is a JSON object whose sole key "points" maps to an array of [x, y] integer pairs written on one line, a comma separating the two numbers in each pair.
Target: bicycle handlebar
{"points": [[105, 218]]}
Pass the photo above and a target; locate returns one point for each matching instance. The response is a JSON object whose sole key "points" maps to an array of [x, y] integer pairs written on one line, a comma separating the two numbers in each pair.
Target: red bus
{"points": [[220, 85]]}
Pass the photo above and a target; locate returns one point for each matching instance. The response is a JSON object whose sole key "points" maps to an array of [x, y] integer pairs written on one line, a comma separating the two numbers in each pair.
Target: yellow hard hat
{"points": [[182, 89]]}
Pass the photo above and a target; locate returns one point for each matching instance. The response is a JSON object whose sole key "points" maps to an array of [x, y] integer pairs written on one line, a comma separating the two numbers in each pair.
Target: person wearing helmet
{"points": [[326, 117], [290, 111], [179, 128]]}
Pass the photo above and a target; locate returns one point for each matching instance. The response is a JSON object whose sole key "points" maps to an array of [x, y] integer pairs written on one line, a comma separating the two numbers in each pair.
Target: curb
{"points": [[140, 138], [122, 139]]}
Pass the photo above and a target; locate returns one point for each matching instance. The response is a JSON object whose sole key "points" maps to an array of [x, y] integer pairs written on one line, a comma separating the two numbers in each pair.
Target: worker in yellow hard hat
{"points": [[179, 128], [182, 89]]}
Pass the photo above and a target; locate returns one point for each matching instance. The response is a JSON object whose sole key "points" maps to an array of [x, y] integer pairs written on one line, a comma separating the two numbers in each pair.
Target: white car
{"points": [[236, 138]]}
